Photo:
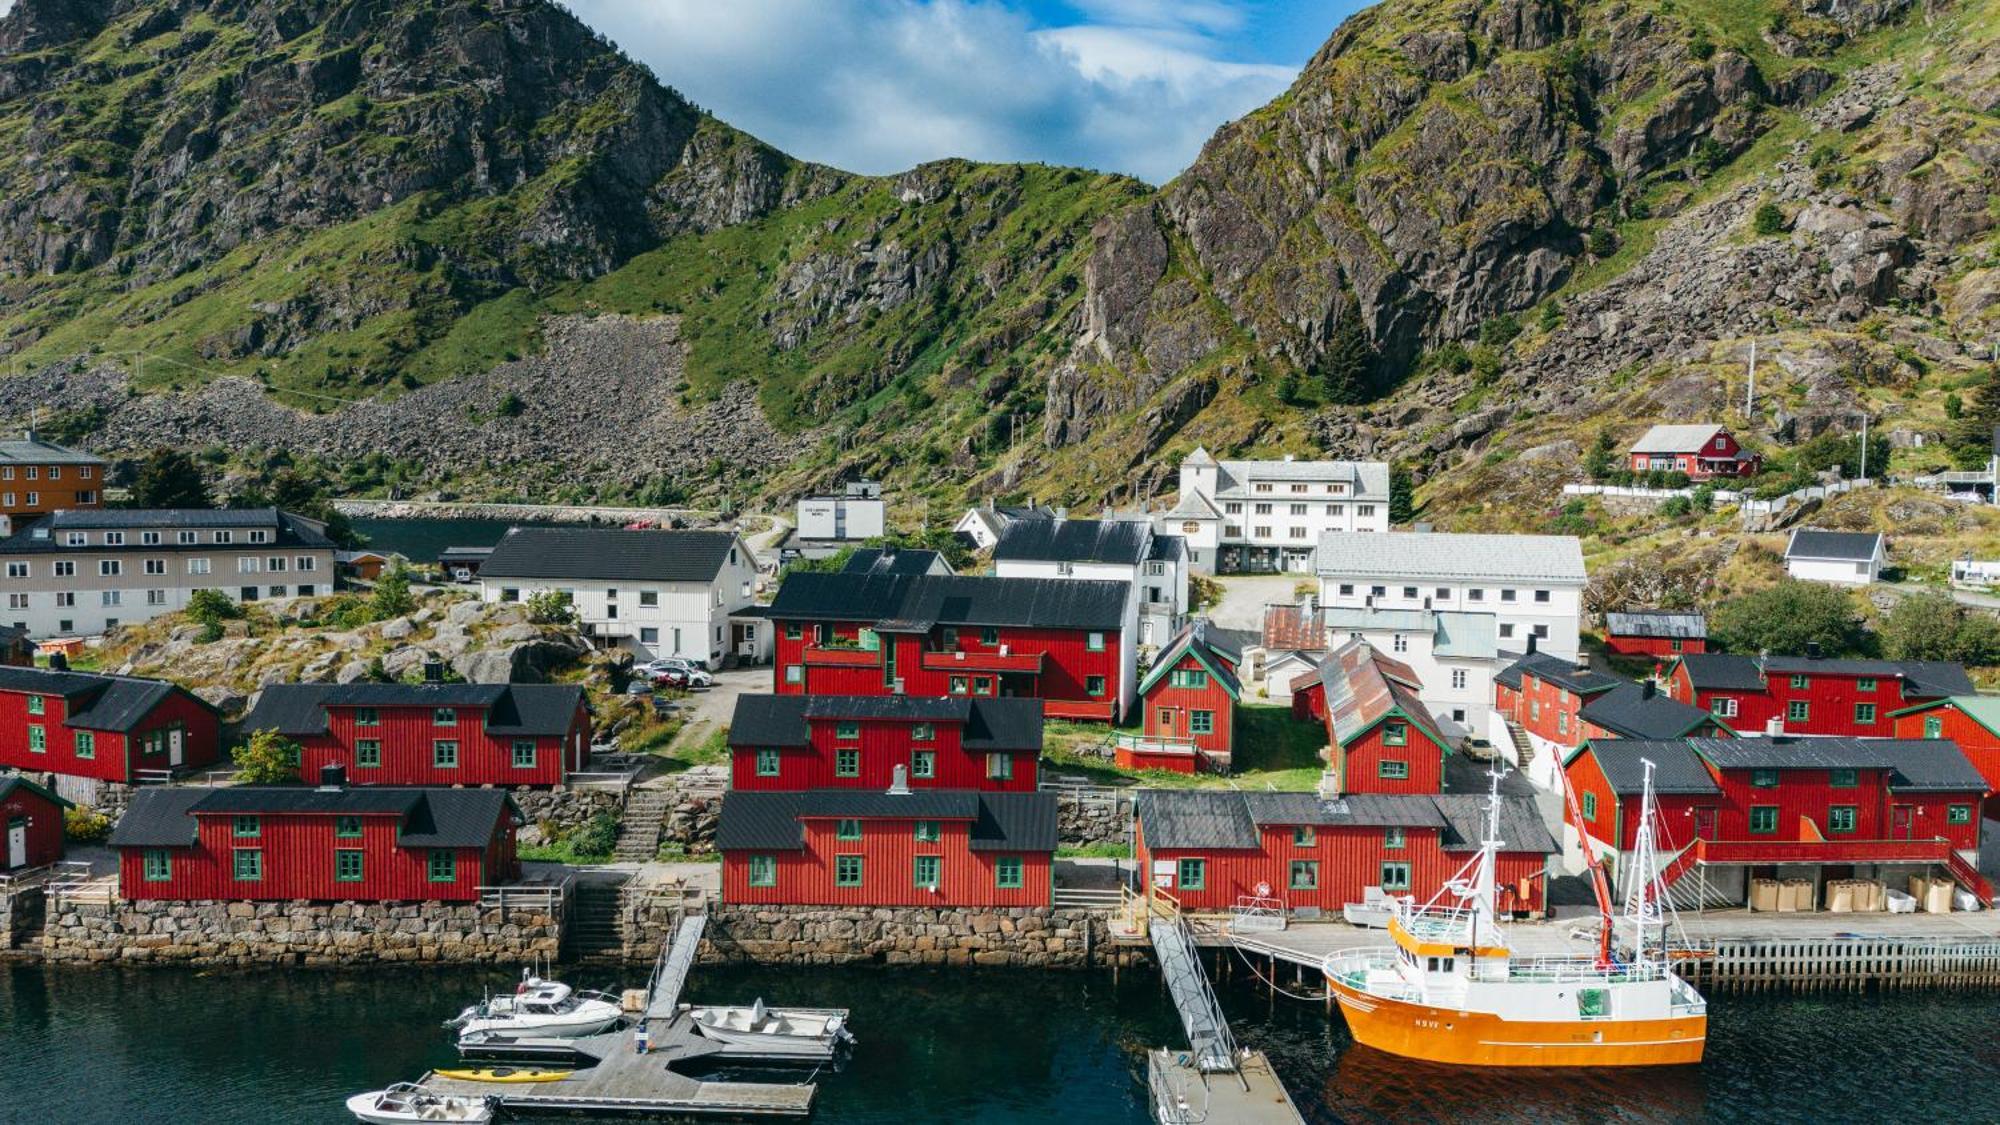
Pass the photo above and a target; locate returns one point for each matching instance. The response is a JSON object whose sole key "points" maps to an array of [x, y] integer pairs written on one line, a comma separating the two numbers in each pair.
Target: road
{"points": [[713, 706], [1245, 596]]}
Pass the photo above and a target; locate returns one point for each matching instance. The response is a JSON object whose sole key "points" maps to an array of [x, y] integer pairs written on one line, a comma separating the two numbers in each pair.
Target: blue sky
{"points": [[877, 86]]}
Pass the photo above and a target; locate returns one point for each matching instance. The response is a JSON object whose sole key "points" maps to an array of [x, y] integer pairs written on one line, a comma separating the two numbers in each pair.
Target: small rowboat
{"points": [[506, 1074], [408, 1102]]}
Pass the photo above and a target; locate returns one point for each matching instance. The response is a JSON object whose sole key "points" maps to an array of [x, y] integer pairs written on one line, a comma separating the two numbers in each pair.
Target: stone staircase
{"points": [[639, 827], [1524, 747], [592, 927]]}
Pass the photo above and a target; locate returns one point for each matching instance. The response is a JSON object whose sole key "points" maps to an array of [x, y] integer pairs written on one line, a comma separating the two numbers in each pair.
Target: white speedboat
{"points": [[1374, 910], [406, 1102], [541, 1008], [760, 1026]]}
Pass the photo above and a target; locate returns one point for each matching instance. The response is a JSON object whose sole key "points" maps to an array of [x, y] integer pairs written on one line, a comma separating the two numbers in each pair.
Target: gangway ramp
{"points": [[670, 972], [1214, 1048]]}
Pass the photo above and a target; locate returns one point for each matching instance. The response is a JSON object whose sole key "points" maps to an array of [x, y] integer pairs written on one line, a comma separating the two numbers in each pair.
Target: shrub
{"points": [[1603, 243], [596, 838], [1500, 331], [85, 825], [392, 593], [1768, 219], [509, 406], [1931, 626], [268, 758], [1785, 618], [551, 607], [1675, 507]]}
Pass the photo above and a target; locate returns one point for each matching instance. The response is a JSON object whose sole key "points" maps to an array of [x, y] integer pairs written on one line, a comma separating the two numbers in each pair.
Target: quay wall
{"points": [[20, 920], [1027, 937], [295, 933], [1846, 964]]}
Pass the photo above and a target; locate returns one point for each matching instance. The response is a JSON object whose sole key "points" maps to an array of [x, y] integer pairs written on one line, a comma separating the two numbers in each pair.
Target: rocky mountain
{"points": [[467, 239]]}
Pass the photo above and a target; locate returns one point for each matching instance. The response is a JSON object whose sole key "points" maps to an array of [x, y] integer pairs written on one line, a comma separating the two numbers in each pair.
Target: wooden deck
{"points": [[626, 1082], [1250, 1095]]}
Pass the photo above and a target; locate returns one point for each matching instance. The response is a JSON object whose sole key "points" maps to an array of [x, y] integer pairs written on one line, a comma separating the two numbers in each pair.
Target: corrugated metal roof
{"points": [[35, 451], [955, 600], [1363, 686], [1366, 480], [1845, 546], [1228, 820], [157, 817], [1430, 555], [290, 530], [1387, 810], [1522, 828], [1293, 628], [1674, 624], [876, 560], [1676, 766], [1676, 439], [1195, 818], [759, 821], [1092, 541], [80, 519], [610, 554]]}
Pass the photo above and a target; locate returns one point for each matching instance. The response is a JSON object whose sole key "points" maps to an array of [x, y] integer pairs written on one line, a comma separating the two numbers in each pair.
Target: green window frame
{"points": [[1958, 814], [950, 635], [347, 865], [86, 743], [247, 864], [848, 870], [444, 716], [847, 829], [1590, 806], [769, 763], [999, 767], [35, 705], [1201, 722], [1864, 683], [923, 732], [347, 827], [1188, 678], [1094, 642], [1933, 726], [926, 831], [1007, 873], [1305, 875], [159, 865], [923, 763], [1841, 818], [1395, 876], [444, 753], [38, 740], [982, 685], [793, 631], [847, 730], [961, 685], [368, 753], [925, 871], [442, 865], [245, 826], [763, 871], [1303, 836], [1864, 713], [1396, 734], [1191, 874], [847, 763], [1798, 681], [1763, 819], [1764, 779], [1093, 685], [1394, 839], [1392, 769], [367, 717], [1798, 711], [524, 753], [1843, 779]]}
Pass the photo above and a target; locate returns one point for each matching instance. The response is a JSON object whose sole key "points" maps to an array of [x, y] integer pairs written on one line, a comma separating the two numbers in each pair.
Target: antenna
{"points": [[1750, 391]]}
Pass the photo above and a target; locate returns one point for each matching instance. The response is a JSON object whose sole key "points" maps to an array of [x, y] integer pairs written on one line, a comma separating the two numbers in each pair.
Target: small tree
{"points": [[268, 758], [1597, 462], [392, 593], [209, 609], [1347, 373], [1768, 219], [551, 607], [169, 478], [1785, 618], [1932, 626], [1402, 494]]}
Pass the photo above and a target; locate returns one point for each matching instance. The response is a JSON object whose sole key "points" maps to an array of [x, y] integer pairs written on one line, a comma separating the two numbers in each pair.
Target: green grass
{"points": [[559, 851], [1094, 851], [1273, 751]]}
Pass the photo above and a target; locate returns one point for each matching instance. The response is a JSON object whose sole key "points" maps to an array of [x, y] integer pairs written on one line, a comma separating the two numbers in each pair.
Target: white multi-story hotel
{"points": [[1531, 584], [1267, 516]]}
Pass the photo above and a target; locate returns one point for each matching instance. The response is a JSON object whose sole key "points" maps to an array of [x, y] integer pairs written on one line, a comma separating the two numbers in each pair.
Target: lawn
{"points": [[1273, 751]]}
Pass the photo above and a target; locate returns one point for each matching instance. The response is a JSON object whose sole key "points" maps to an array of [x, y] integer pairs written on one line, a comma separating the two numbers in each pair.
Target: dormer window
{"points": [[149, 538], [76, 539], [186, 537], [260, 537]]}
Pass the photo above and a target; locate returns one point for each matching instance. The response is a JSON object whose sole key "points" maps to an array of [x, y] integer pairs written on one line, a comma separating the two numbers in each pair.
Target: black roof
{"points": [[1168, 548], [292, 530], [1812, 543], [917, 603], [1000, 821], [1920, 677], [1919, 764], [11, 782], [1388, 810], [96, 701], [1719, 671], [1195, 818], [1630, 711], [1202, 819], [1553, 669], [877, 560], [1522, 828], [523, 709], [988, 724], [609, 553], [1093, 541], [430, 818], [1676, 767]]}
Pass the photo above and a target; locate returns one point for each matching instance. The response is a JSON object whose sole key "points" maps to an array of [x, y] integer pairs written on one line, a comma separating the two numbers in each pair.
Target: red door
{"points": [[1902, 822], [1704, 822]]}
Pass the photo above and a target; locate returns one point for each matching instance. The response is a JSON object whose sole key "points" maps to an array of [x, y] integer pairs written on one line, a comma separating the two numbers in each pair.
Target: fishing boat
{"points": [[406, 1102], [761, 1026], [1373, 911], [1451, 991], [506, 1074], [543, 1008]]}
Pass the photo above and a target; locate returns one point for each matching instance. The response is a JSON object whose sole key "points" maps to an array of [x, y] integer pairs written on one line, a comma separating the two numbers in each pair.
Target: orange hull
{"points": [[1444, 1035]]}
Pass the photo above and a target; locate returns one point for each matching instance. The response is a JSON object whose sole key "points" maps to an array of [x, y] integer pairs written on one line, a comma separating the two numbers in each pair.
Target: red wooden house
{"points": [[110, 728], [33, 820], [1810, 694], [1189, 699], [1703, 452], [1383, 738], [943, 848], [1561, 704], [16, 650], [1655, 632], [1058, 640], [794, 742], [333, 843], [1972, 722], [432, 733]]}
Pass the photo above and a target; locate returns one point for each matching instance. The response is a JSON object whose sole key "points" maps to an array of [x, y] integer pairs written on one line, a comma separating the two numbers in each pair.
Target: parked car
{"points": [[695, 674]]}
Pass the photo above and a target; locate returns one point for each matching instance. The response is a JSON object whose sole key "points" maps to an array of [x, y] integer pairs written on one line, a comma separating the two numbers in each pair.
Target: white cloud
{"points": [[877, 86]]}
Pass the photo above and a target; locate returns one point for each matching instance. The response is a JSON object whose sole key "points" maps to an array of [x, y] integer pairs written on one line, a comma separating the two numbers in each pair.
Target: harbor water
{"points": [[168, 1047]]}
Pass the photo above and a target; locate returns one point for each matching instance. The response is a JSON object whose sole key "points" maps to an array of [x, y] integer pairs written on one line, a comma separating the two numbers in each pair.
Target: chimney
{"points": [[1531, 644], [1774, 727], [1648, 689], [29, 434], [332, 778], [1812, 650], [58, 662], [1581, 664], [433, 671], [899, 784]]}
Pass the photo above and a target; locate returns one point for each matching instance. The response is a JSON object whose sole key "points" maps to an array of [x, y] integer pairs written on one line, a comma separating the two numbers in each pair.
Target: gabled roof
{"points": [[1676, 766], [1676, 439], [1366, 480], [1522, 828], [1844, 546], [988, 724], [1364, 687], [511, 709], [1387, 810], [1676, 624], [428, 818], [753, 820], [288, 529], [1124, 542], [609, 553], [1293, 628], [1721, 671], [878, 560], [1229, 820], [11, 782], [32, 450], [1193, 641], [923, 602], [95, 701], [1981, 709], [1920, 677], [1434, 555], [157, 817], [1630, 711], [1919, 764], [1553, 669]]}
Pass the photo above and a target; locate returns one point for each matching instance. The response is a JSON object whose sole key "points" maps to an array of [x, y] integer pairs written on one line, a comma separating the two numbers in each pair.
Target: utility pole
{"points": [[1750, 391], [1864, 446]]}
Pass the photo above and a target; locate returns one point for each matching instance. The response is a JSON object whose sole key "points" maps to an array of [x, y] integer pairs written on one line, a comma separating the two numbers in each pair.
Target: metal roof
{"points": [[511, 709], [1387, 810], [1921, 677], [1676, 766], [880, 560], [428, 818], [1919, 764], [1195, 818], [1293, 628], [291, 530], [1228, 820], [1846, 546], [1366, 480], [921, 602], [1553, 669], [1193, 640], [610, 554], [1363, 687], [77, 519], [157, 817], [1471, 636], [1719, 671], [10, 782], [1123, 542], [1677, 624], [1432, 555], [95, 701], [32, 450], [1676, 439], [988, 724], [1629, 711], [1522, 828], [999, 821]]}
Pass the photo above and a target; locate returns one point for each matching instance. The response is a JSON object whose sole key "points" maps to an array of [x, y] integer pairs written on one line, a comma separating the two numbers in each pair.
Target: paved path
{"points": [[1245, 596], [713, 706]]}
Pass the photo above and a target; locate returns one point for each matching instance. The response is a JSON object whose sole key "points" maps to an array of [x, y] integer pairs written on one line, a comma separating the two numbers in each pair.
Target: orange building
{"points": [[39, 477]]}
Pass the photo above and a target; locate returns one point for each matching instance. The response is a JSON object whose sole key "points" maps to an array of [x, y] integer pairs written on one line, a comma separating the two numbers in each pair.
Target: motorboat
{"points": [[1374, 910], [541, 1008], [757, 1025], [407, 1102]]}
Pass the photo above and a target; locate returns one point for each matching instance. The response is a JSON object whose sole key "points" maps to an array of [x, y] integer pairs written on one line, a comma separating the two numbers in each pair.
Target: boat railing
{"points": [[1584, 972], [1452, 923], [1354, 969], [1686, 1000]]}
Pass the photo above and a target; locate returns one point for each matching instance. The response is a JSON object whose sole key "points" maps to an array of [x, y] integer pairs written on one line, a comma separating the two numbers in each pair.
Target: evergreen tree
{"points": [[1972, 437], [169, 478], [1402, 494], [1347, 373], [1597, 462]]}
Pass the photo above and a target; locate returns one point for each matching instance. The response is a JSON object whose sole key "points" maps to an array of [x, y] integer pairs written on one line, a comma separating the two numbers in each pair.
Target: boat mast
{"points": [[1643, 889], [1485, 904]]}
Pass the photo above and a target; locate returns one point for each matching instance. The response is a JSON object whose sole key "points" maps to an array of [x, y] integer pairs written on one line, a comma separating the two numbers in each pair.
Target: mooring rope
{"points": [[1274, 985]]}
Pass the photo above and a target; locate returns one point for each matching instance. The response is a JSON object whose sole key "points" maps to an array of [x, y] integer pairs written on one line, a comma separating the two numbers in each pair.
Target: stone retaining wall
{"points": [[1093, 820], [295, 933], [1034, 937], [691, 822], [568, 808], [20, 919]]}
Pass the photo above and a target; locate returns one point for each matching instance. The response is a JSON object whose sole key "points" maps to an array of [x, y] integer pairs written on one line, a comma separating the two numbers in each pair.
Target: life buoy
{"points": [[1263, 890]]}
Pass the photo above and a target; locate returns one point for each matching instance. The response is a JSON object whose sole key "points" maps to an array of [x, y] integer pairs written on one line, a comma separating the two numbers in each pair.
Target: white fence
{"points": [[1661, 495], [1768, 509]]}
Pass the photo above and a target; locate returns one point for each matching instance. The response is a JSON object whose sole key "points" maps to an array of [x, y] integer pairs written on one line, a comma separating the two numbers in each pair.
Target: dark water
{"points": [[167, 1047], [421, 540]]}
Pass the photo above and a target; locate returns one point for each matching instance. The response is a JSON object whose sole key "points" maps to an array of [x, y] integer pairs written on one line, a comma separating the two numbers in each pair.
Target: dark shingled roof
{"points": [[1629, 712], [1522, 828], [1717, 671], [10, 782], [1194, 640], [1195, 818], [989, 724], [511, 709], [1387, 810], [922, 602], [875, 560], [96, 702], [1812, 543], [1000, 821], [158, 817], [1221, 820], [1553, 669], [1676, 767], [1091, 541], [609, 553], [430, 818], [1920, 677], [1919, 764], [1679, 624]]}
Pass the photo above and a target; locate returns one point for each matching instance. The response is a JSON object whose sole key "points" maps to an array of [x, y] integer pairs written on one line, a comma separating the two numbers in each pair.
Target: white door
{"points": [[17, 843], [174, 747]]}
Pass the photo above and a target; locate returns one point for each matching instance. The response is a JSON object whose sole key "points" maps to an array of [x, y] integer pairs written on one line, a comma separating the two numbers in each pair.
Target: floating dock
{"points": [[1249, 1095]]}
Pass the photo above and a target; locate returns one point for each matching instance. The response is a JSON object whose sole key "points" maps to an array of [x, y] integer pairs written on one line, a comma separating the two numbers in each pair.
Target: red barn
{"points": [[937, 848], [1189, 701], [1384, 739], [793, 742], [1810, 694], [1655, 632], [33, 819], [111, 728], [16, 650], [331, 844], [1972, 722], [1062, 641], [1703, 452], [432, 733]]}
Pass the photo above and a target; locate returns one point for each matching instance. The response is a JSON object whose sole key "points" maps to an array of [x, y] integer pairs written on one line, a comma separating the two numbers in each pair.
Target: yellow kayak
{"points": [[506, 1074]]}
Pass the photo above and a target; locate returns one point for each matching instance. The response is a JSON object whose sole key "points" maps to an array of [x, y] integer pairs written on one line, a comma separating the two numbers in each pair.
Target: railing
{"points": [[1722, 496], [26, 877], [1087, 709], [552, 898], [1256, 915], [1968, 875], [602, 779], [1766, 508], [145, 776], [1171, 1105], [71, 882], [1822, 851], [957, 661], [843, 657]]}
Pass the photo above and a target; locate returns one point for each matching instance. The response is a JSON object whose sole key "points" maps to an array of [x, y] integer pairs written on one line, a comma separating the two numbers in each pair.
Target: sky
{"points": [[877, 86]]}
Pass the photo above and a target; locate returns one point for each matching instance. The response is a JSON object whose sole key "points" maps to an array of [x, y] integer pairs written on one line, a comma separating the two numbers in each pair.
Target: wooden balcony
{"points": [[1822, 851], [1021, 662], [1088, 710], [836, 657]]}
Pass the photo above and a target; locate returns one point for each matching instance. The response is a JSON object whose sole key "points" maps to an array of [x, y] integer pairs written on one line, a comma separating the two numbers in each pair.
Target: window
{"points": [[1260, 509], [444, 717], [247, 865], [111, 538], [17, 570], [1305, 875], [1093, 685], [960, 685], [989, 636], [1933, 726], [1798, 683], [1395, 876], [1188, 678], [1840, 818], [768, 763], [246, 826], [247, 566], [1347, 589], [1958, 814], [198, 566], [1590, 806], [847, 871], [65, 569], [1303, 836], [1507, 595], [1377, 591], [1541, 595], [847, 731], [1475, 595], [443, 865], [185, 538], [794, 631], [982, 685], [367, 753], [444, 753], [1722, 707], [347, 827], [259, 536], [1393, 839], [36, 705], [1399, 642], [1506, 629], [927, 831], [347, 865], [66, 599], [86, 744], [1842, 779], [923, 763], [1364, 510], [763, 871], [1094, 642], [1763, 819], [1458, 679], [924, 871], [1764, 779], [108, 568], [524, 753], [847, 830], [1396, 734], [847, 762], [1000, 767], [1193, 874], [1391, 769], [1797, 711], [1865, 683], [159, 865], [1007, 872], [156, 597], [795, 674], [224, 537], [649, 635], [1864, 713], [922, 732]]}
